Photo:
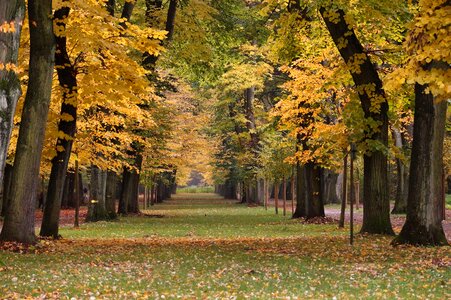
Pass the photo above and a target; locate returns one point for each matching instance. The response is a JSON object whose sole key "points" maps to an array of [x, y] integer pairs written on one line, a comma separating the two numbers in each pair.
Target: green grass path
{"points": [[200, 246]]}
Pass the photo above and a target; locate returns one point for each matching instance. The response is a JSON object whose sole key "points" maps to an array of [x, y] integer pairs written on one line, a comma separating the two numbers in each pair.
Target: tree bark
{"points": [[329, 186], [10, 12], [128, 202], [19, 218], [341, 223], [67, 77], [6, 186], [312, 187], [96, 207], [376, 212], [110, 200], [301, 211], [127, 11], [110, 4], [424, 219], [402, 175]]}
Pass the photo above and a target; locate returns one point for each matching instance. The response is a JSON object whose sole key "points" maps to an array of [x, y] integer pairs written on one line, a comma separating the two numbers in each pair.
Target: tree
{"points": [[428, 68], [19, 218], [376, 213], [11, 18], [67, 77]]}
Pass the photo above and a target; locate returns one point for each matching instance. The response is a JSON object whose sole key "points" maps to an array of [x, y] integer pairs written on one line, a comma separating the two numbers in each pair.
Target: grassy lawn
{"points": [[210, 248]]}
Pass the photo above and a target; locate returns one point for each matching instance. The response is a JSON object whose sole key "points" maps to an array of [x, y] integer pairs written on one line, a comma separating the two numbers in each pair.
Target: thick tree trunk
{"points": [[129, 202], [11, 12], [19, 218], [376, 212], [67, 77], [96, 207], [312, 187], [424, 219]]}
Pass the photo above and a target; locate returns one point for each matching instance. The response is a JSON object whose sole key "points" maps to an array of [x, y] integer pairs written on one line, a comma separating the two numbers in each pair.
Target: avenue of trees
{"points": [[265, 98]]}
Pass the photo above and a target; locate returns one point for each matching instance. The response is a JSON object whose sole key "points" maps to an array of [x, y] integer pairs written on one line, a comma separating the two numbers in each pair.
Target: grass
{"points": [[448, 201], [211, 248]]}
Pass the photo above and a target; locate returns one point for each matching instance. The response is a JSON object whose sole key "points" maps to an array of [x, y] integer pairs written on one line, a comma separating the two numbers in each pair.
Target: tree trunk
{"points": [[67, 77], [127, 10], [11, 12], [77, 194], [170, 20], [110, 4], [402, 175], [284, 196], [301, 211], [6, 186], [341, 223], [312, 187], [96, 207], [329, 186], [424, 220], [276, 197], [19, 218], [376, 209], [110, 200], [68, 200]]}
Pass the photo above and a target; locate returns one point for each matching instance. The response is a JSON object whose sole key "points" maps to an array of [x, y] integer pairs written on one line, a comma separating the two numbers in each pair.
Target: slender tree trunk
{"points": [[293, 195], [11, 12], [67, 78], [276, 197], [402, 175], [284, 196], [6, 187], [19, 218], [77, 196], [301, 210], [424, 219], [128, 10], [110, 198], [341, 223], [376, 209], [110, 4]]}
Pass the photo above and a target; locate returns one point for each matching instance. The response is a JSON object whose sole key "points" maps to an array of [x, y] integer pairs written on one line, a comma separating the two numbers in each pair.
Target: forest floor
{"points": [[201, 246]]}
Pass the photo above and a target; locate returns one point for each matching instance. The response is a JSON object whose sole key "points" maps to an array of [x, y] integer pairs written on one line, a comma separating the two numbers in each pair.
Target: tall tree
{"points": [[67, 77], [376, 212], [19, 219], [131, 176], [11, 18], [428, 67]]}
